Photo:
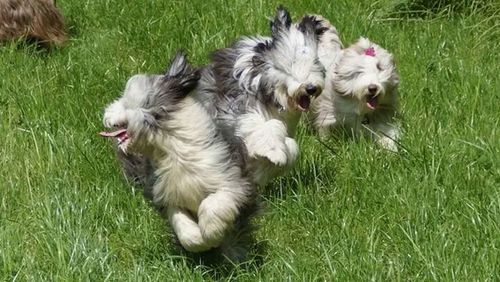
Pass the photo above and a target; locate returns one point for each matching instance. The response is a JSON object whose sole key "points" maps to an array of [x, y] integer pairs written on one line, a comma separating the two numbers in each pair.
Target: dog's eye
{"points": [[156, 116], [379, 67]]}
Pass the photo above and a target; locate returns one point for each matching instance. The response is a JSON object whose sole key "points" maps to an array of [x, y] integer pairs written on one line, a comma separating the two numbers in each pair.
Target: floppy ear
{"points": [[190, 79], [178, 65], [311, 24], [281, 22], [260, 49], [180, 69]]}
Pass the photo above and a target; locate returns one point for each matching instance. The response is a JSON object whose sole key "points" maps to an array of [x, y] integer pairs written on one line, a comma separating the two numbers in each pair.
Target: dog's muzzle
{"points": [[372, 97], [303, 100], [121, 135]]}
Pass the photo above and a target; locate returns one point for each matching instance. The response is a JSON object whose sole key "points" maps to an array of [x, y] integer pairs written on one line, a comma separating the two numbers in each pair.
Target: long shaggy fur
{"points": [[257, 89], [360, 95], [196, 181], [38, 20]]}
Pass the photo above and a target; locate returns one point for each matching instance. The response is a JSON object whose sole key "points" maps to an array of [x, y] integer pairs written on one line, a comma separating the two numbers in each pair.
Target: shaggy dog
{"points": [[360, 95], [197, 182], [37, 20], [258, 88]]}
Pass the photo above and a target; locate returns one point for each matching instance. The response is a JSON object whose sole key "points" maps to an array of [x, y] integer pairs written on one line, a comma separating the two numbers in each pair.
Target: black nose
{"points": [[311, 89], [372, 89]]}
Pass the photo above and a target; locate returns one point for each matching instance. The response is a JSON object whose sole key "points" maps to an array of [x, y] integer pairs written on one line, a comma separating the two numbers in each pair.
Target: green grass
{"points": [[349, 211]]}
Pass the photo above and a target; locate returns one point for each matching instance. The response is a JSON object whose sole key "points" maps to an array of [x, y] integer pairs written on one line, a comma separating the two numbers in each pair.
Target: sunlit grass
{"points": [[349, 211]]}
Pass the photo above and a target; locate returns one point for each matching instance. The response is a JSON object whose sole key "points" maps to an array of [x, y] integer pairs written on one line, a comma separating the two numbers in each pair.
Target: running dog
{"points": [[258, 88], [198, 183], [361, 91]]}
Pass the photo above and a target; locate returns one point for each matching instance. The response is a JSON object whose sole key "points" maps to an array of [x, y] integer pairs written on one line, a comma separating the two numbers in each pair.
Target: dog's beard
{"points": [[372, 101], [300, 102], [303, 103], [367, 89], [293, 95], [366, 102]]}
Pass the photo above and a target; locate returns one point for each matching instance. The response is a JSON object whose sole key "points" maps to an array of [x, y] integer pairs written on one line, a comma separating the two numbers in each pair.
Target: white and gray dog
{"points": [[258, 88], [360, 95], [197, 182]]}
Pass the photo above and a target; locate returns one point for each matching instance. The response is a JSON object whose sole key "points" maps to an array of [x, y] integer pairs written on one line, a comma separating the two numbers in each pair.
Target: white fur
{"points": [[268, 128], [270, 148], [330, 45], [201, 188], [343, 103]]}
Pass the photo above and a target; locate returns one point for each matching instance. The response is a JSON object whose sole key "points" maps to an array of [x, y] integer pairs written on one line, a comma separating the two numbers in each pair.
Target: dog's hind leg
{"points": [[216, 215], [187, 230]]}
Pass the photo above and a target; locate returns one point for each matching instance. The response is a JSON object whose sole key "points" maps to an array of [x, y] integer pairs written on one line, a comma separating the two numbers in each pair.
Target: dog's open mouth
{"points": [[121, 135], [303, 103], [372, 101]]}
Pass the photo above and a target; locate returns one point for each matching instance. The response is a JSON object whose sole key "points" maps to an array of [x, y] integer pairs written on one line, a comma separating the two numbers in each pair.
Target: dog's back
{"points": [[231, 77]]}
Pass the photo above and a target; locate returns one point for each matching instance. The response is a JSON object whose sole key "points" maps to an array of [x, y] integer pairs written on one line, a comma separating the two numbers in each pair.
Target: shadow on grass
{"points": [[213, 263], [216, 266]]}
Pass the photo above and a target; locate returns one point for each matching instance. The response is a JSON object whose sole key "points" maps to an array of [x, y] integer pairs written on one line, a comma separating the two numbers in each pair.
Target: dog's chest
{"points": [[178, 184], [183, 189]]}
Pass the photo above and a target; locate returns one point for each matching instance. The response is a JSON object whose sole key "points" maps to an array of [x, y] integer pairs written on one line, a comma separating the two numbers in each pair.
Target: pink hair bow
{"points": [[370, 52]]}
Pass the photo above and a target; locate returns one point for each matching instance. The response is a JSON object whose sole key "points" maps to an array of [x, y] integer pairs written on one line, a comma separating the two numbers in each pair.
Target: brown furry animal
{"points": [[37, 20]]}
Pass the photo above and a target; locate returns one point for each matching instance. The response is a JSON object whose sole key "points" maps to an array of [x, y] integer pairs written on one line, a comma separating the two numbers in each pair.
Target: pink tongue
{"points": [[118, 133], [372, 102]]}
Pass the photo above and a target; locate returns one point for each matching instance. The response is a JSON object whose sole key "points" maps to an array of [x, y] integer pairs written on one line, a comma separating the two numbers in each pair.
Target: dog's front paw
{"points": [[273, 150], [269, 142], [115, 115]]}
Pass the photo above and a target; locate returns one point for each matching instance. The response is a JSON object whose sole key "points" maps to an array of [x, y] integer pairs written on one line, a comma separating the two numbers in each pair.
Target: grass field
{"points": [[349, 211]]}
